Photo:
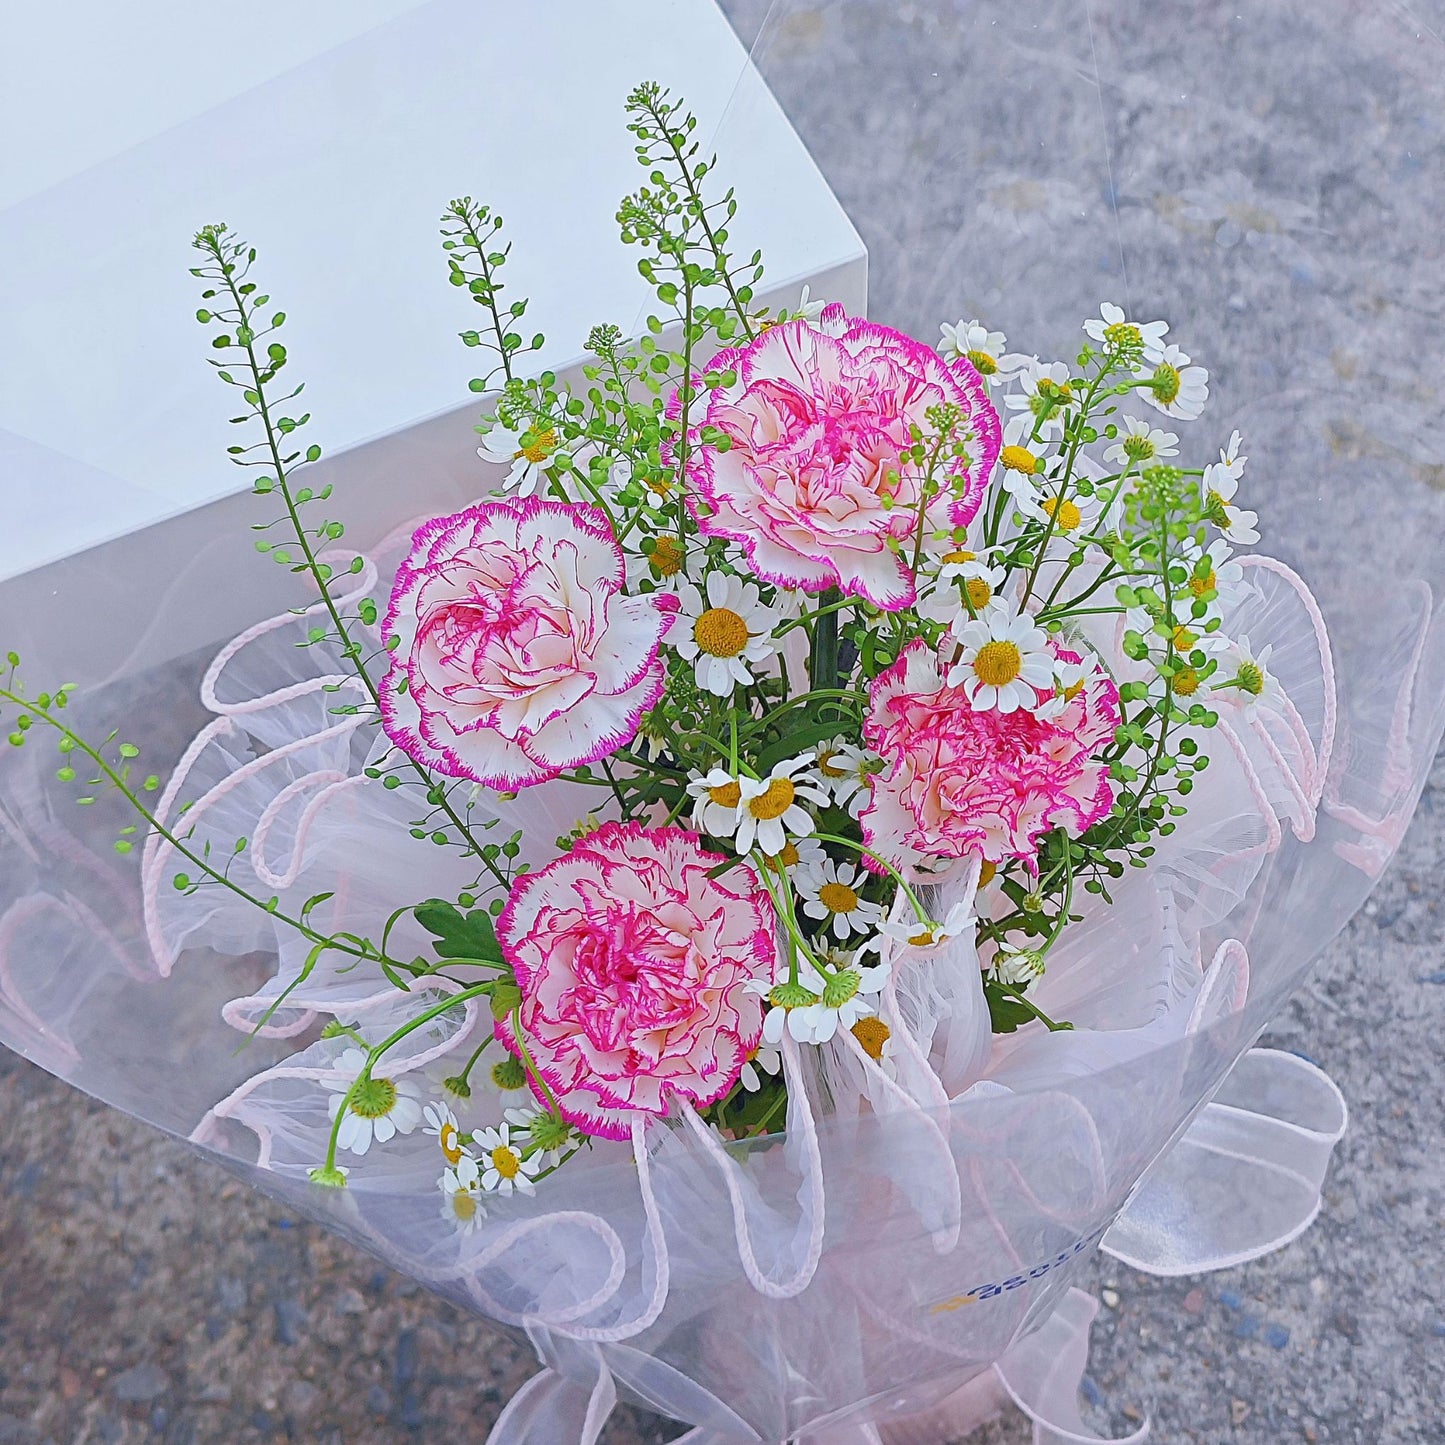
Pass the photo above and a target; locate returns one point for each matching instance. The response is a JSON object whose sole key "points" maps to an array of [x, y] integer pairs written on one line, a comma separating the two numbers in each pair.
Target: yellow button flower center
{"points": [[789, 857], [838, 898], [872, 1033], [1066, 514], [726, 795], [507, 1162], [1186, 682], [463, 1206], [773, 803], [666, 559], [980, 594], [720, 632], [983, 363], [451, 1147], [542, 445], [828, 767], [997, 663], [1020, 459], [1123, 336], [1184, 639], [959, 555], [1200, 585], [987, 873]]}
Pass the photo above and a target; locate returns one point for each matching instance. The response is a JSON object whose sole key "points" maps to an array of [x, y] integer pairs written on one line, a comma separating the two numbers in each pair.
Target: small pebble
{"points": [[140, 1384], [1194, 1302], [1247, 1328], [1230, 1300], [349, 1302], [1110, 1298], [1276, 1337], [1238, 1411], [1438, 1329], [378, 1401], [1312, 1435], [1090, 1390]]}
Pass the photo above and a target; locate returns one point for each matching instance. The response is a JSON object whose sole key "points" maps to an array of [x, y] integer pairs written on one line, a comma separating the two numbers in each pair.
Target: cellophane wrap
{"points": [[915, 1223]]}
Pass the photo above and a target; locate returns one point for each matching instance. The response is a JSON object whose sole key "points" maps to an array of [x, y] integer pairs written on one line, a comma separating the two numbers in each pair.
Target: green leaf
{"points": [[1005, 1014], [797, 742], [458, 934]]}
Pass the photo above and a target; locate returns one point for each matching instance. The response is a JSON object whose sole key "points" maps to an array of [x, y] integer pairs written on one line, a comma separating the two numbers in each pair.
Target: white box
{"points": [[333, 150]]}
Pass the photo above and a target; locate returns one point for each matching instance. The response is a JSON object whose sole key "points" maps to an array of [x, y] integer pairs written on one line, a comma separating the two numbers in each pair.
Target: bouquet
{"points": [[808, 730]]}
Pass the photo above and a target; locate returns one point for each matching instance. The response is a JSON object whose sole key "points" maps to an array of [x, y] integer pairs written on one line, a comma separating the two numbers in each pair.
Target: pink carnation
{"points": [[519, 653], [815, 485], [633, 966], [961, 782]]}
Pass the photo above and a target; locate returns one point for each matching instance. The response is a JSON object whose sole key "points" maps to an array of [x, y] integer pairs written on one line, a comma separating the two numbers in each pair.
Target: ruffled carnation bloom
{"points": [[815, 484], [519, 654], [961, 782], [633, 966]]}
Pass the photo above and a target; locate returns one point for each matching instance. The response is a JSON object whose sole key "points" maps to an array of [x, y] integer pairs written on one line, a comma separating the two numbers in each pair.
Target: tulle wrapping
{"points": [[917, 1219]]}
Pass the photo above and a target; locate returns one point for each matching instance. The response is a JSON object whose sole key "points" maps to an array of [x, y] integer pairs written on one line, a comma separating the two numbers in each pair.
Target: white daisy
{"points": [[1017, 967], [716, 796], [961, 575], [1115, 333], [724, 633], [842, 767], [1141, 444], [548, 1133], [1222, 575], [769, 808], [981, 347], [380, 1109], [1003, 661], [876, 1039], [527, 453], [502, 1165], [765, 1060], [843, 998], [461, 1187], [1220, 483], [1174, 386], [1070, 679], [808, 309], [915, 933], [1245, 678], [833, 892], [796, 853], [441, 1124], [1044, 396]]}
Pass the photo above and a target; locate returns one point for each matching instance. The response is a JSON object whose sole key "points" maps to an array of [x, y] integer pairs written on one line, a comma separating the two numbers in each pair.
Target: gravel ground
{"points": [[145, 1295]]}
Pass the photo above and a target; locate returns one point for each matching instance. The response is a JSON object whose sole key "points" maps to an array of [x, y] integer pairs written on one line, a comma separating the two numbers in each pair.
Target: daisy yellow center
{"points": [[872, 1033], [986, 873], [983, 363], [828, 767], [720, 632], [1186, 682], [980, 594], [1251, 678], [959, 555], [1020, 459], [1073, 690], [451, 1146], [997, 663], [1184, 639], [463, 1205], [726, 795], [789, 857], [925, 939], [660, 486], [374, 1098], [666, 557], [837, 898], [1054, 393], [1138, 448], [540, 447], [1122, 336], [1066, 514], [773, 803], [1165, 382], [1200, 585], [507, 1162]]}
